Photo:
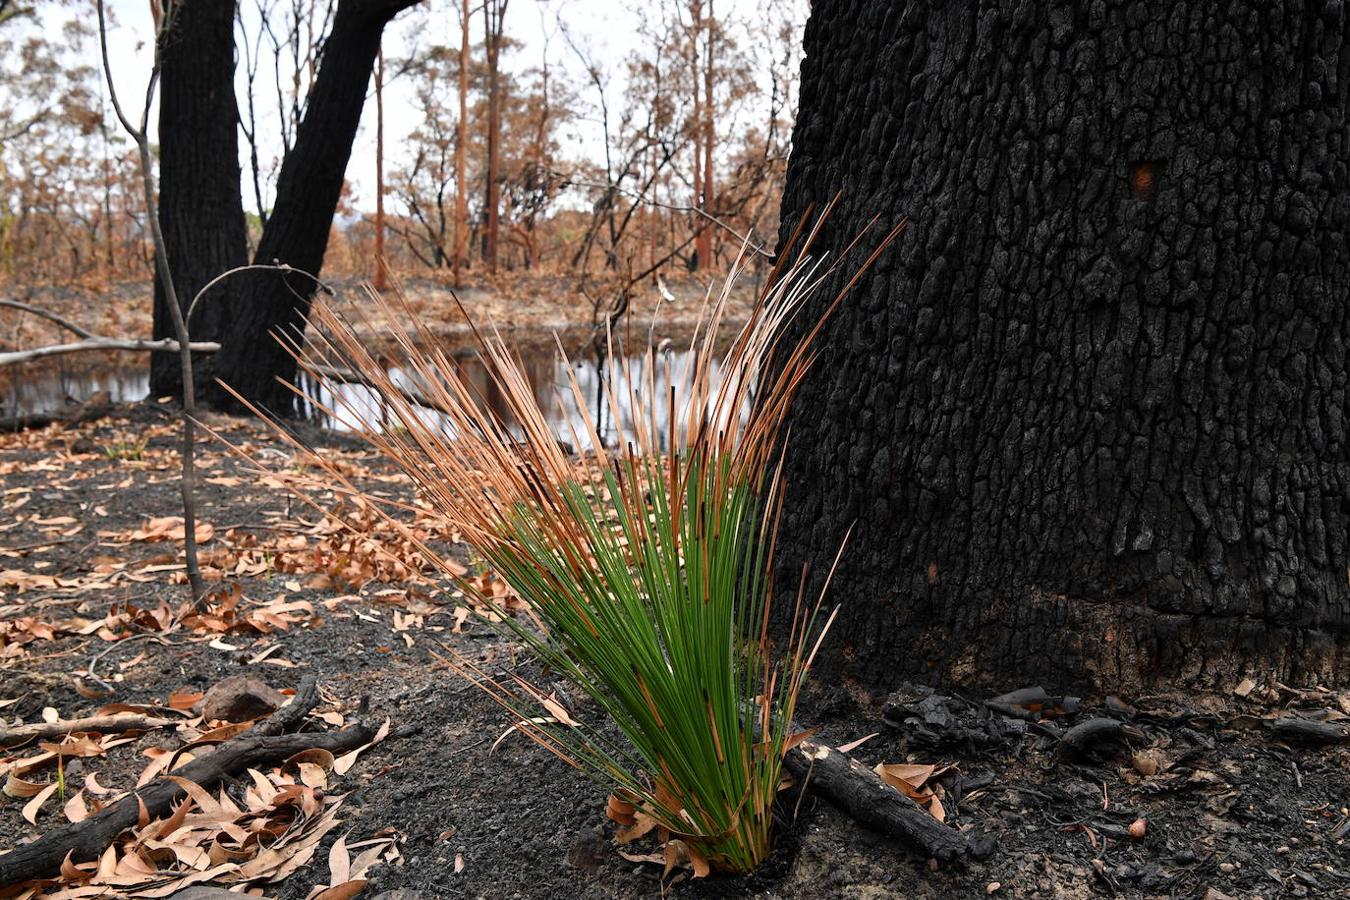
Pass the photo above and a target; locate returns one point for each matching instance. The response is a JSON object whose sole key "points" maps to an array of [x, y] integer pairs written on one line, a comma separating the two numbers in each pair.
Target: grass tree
{"points": [[643, 562]]}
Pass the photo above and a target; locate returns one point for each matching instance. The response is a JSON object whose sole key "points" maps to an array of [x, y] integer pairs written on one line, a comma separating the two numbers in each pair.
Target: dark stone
{"points": [[588, 851], [240, 698]]}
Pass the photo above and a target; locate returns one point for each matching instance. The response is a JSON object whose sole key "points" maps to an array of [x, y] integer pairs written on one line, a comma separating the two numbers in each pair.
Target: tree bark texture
{"points": [[309, 187], [1088, 417], [200, 209]]}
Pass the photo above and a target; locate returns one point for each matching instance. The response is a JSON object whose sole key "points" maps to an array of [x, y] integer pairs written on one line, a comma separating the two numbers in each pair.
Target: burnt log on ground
{"points": [[861, 793], [1094, 732], [1306, 731]]}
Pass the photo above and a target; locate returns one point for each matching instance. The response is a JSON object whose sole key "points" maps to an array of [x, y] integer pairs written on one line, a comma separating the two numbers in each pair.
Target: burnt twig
{"points": [[861, 793]]}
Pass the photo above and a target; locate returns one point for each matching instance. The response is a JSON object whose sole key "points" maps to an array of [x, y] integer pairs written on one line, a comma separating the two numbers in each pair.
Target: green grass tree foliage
{"points": [[644, 569]]}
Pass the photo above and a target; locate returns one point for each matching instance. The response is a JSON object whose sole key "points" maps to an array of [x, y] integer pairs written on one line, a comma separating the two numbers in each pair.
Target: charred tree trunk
{"points": [[494, 14], [309, 186], [200, 209], [708, 202], [697, 133], [461, 253], [1088, 417]]}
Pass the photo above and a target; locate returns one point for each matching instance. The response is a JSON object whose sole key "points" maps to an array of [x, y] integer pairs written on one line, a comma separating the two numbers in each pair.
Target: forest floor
{"points": [[92, 612], [513, 302]]}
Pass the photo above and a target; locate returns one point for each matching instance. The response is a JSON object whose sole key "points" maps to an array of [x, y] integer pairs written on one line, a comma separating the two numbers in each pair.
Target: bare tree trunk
{"points": [[201, 212], [460, 257], [179, 312], [494, 11], [705, 236], [380, 280], [696, 138], [109, 228]]}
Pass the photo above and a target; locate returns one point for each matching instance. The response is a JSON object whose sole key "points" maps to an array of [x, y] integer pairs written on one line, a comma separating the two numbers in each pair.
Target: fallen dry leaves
{"points": [[258, 833], [344, 548], [673, 852], [273, 831], [910, 779]]}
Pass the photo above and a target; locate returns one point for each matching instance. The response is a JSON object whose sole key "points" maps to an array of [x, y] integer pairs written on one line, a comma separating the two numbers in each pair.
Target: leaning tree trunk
{"points": [[200, 210], [251, 360], [1088, 416]]}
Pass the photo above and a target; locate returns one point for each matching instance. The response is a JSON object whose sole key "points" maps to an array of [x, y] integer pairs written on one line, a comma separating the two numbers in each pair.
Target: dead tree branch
{"points": [[711, 219], [254, 267], [95, 343], [117, 723], [49, 316]]}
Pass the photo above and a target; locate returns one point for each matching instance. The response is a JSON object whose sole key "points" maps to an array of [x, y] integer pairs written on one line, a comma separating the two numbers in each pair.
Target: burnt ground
{"points": [[1230, 808]]}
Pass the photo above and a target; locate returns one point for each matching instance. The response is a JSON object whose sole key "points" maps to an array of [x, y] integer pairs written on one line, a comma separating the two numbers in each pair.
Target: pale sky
{"points": [[608, 29]]}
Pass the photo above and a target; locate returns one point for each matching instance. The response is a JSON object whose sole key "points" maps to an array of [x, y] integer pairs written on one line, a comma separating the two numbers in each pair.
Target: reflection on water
{"points": [[356, 406], [48, 387]]}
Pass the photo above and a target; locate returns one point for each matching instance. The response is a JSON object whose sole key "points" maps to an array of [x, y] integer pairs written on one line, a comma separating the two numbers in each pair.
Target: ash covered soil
{"points": [[1231, 808]]}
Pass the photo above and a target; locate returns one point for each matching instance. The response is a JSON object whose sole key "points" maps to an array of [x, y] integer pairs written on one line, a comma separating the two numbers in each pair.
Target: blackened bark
{"points": [[1089, 415], [309, 186], [200, 209], [494, 15]]}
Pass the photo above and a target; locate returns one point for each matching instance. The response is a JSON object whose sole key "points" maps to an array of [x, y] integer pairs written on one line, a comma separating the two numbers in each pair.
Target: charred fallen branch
{"points": [[259, 746], [861, 793], [1297, 729], [1096, 731]]}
